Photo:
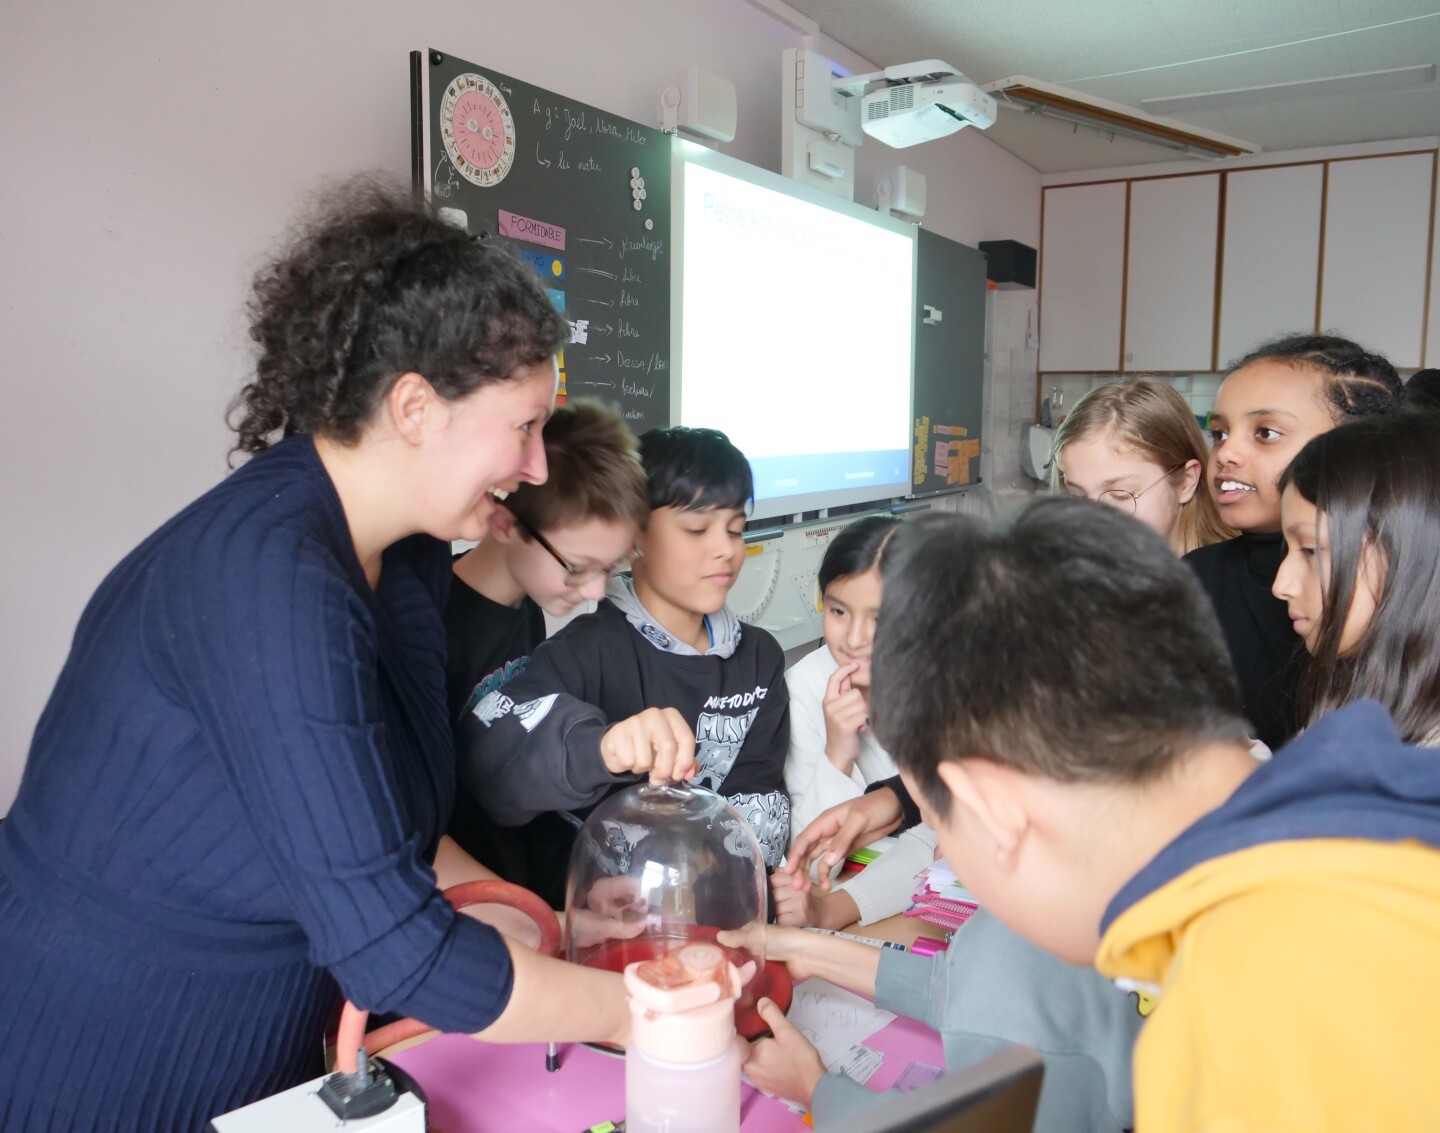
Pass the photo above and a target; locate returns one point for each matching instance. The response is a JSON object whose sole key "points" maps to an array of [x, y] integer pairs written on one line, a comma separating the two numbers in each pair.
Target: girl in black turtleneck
{"points": [[1272, 402]]}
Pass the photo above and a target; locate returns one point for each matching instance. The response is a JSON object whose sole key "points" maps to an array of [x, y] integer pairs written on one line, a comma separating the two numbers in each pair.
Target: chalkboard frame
{"points": [[948, 379], [585, 201]]}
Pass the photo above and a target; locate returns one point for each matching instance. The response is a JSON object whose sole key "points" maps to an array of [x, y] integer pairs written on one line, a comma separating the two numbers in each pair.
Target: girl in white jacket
{"points": [[833, 753]]}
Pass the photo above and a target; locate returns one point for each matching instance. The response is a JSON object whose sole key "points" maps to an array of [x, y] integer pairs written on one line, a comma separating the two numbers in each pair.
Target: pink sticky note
{"points": [[518, 227]]}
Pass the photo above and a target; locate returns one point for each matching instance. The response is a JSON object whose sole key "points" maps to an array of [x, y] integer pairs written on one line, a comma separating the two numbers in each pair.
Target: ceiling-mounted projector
{"points": [[918, 102]]}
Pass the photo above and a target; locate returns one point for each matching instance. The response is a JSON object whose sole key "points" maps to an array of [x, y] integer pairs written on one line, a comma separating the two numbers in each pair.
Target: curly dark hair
{"points": [[1358, 383], [376, 286]]}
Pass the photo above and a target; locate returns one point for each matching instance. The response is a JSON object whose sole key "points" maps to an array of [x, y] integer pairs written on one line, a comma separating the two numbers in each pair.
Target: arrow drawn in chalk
{"points": [[597, 271], [598, 385], [589, 240], [540, 159], [598, 329], [599, 357], [601, 302]]}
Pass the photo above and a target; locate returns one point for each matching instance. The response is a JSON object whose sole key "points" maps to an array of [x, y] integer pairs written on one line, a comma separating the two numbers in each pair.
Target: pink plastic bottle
{"points": [[682, 1071]]}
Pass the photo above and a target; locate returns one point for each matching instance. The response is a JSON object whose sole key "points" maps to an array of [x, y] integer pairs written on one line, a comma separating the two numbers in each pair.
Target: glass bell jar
{"points": [[660, 866]]}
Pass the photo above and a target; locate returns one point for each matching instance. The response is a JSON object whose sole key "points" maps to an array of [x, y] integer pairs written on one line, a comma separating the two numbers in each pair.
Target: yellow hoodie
{"points": [[1294, 938]]}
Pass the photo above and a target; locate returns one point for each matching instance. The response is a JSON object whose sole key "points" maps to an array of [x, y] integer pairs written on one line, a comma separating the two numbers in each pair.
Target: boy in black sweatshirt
{"points": [[662, 680]]}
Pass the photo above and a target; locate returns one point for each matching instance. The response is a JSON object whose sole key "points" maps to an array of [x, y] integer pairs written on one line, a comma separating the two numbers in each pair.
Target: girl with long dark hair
{"points": [[1360, 509]]}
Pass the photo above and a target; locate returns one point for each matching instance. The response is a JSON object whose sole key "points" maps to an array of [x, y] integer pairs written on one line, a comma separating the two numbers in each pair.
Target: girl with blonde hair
{"points": [[1137, 447]]}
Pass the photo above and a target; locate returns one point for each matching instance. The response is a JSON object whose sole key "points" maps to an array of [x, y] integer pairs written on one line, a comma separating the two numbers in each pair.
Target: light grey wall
{"points": [[154, 152]]}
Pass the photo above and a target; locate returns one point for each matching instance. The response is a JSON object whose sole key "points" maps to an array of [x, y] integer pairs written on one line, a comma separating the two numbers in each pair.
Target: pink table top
{"points": [[476, 1087]]}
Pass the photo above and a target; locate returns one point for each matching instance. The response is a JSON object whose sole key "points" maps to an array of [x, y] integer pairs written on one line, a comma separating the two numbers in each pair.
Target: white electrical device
{"points": [[900, 189], [1036, 443], [821, 104], [700, 103], [912, 113], [819, 126], [300, 1110], [911, 103]]}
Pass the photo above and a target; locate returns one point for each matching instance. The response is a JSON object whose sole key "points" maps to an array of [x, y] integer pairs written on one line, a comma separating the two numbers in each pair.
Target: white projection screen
{"points": [[793, 331]]}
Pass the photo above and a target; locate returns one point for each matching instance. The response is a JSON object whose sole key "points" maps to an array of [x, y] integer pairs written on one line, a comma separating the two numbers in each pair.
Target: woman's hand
{"points": [[613, 909], [657, 741], [846, 715], [617, 897], [786, 1065]]}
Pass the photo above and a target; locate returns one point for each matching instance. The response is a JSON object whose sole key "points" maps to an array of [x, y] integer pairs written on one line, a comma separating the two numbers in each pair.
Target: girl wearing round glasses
{"points": [[1135, 446]]}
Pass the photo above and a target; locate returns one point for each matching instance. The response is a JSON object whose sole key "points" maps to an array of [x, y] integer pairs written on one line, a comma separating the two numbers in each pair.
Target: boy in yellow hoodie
{"points": [[1060, 702]]}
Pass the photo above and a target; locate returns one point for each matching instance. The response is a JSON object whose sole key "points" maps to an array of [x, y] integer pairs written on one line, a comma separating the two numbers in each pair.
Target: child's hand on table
{"points": [[811, 906], [785, 1065]]}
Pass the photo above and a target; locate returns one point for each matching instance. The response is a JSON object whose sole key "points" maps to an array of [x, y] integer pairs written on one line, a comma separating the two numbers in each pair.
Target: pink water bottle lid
{"points": [[683, 1003]]}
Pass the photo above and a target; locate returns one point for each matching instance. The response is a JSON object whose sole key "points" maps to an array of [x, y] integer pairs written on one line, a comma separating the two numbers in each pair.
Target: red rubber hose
{"points": [[351, 1035]]}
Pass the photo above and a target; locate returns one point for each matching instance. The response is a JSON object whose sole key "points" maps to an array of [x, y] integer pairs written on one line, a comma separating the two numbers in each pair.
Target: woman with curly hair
{"points": [[235, 797]]}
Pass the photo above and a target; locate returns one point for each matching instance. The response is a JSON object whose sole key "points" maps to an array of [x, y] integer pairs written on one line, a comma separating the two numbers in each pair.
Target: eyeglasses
{"points": [[1121, 500], [578, 576]]}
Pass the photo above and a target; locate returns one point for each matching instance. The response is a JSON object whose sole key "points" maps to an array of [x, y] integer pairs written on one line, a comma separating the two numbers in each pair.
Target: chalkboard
{"points": [[949, 381], [581, 195]]}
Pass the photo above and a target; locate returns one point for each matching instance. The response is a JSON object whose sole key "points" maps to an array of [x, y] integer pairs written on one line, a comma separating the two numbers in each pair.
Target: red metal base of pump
{"points": [[771, 982]]}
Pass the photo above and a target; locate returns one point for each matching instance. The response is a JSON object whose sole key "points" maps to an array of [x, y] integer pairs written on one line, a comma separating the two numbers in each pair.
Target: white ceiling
{"points": [[1128, 50]]}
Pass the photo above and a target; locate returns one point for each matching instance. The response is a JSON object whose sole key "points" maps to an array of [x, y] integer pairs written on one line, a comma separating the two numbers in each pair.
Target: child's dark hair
{"points": [[691, 469], [1071, 644], [374, 287], [1378, 482], [857, 549], [1358, 383], [1422, 390], [595, 472]]}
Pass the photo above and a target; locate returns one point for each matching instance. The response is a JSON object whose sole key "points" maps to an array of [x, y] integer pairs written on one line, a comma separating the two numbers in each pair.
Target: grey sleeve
{"points": [[534, 745], [837, 1096], [992, 988], [913, 986]]}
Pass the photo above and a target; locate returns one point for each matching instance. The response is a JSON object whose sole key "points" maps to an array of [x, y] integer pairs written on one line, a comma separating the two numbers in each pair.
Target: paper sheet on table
{"points": [[834, 1019], [941, 882]]}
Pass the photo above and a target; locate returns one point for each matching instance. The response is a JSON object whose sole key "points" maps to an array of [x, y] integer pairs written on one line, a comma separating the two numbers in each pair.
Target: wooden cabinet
{"points": [[1376, 252], [1271, 273], [1081, 271], [1170, 281], [1188, 273]]}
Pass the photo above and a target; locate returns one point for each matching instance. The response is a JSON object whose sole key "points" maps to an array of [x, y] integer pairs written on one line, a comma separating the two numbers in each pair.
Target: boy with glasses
{"points": [[550, 547], [662, 680]]}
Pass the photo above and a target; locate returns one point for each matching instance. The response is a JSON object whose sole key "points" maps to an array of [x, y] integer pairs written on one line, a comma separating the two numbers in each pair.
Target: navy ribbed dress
{"points": [[229, 807]]}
